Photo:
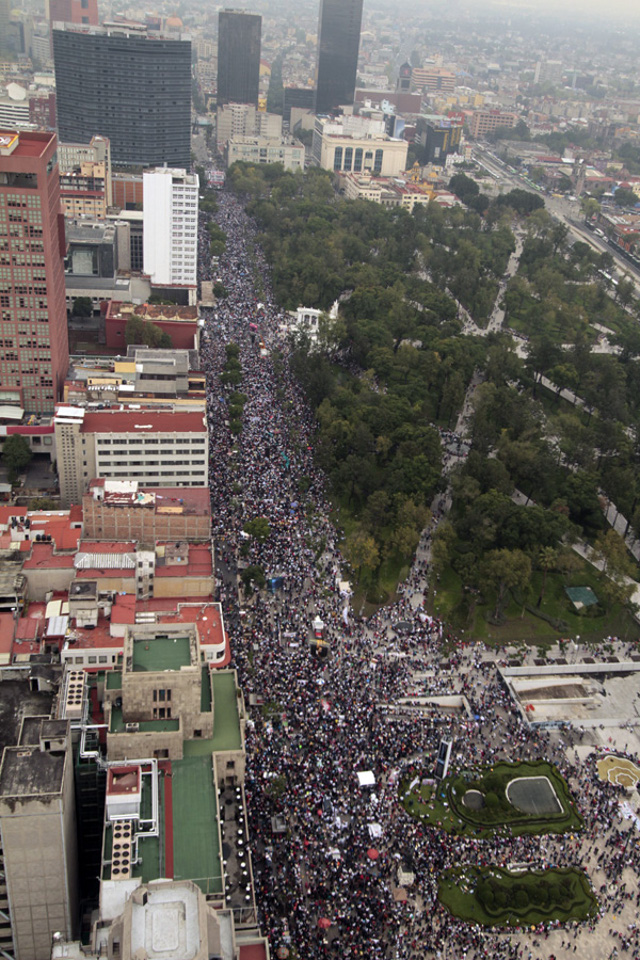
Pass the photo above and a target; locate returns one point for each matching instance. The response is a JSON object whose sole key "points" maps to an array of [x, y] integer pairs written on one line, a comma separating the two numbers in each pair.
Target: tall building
{"points": [[238, 57], [73, 11], [338, 43], [35, 348], [170, 232], [38, 827], [131, 88]]}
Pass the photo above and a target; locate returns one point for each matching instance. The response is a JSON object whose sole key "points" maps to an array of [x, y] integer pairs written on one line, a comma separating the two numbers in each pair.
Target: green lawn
{"points": [[463, 611], [492, 896], [442, 805]]}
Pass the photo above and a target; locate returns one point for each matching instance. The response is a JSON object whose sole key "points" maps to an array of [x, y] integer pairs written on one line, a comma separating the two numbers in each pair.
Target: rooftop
{"points": [[28, 771], [161, 653], [196, 844], [227, 734], [142, 422]]}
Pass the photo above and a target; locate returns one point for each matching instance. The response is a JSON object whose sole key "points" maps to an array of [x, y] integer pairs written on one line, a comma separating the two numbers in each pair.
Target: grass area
{"points": [[442, 804], [556, 618], [494, 897]]}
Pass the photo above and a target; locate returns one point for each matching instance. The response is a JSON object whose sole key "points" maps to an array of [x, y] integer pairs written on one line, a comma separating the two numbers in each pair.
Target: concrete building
{"points": [[125, 510], [238, 57], [285, 150], [145, 374], [433, 79], [156, 448], [92, 249], [245, 120], [35, 347], [133, 89], [172, 919], [486, 121], [14, 107], [170, 232], [357, 144], [339, 26], [86, 175], [73, 11], [38, 828]]}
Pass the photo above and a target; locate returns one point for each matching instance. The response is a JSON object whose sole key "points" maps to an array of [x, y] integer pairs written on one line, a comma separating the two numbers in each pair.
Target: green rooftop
{"points": [[144, 726], [114, 680], [156, 654], [226, 721], [196, 842]]}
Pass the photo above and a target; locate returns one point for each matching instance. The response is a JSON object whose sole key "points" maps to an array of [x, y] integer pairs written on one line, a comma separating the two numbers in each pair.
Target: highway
{"points": [[567, 211]]}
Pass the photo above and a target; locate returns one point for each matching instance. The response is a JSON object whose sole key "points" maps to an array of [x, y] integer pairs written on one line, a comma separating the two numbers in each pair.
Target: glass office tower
{"points": [[338, 44], [238, 57], [132, 89]]}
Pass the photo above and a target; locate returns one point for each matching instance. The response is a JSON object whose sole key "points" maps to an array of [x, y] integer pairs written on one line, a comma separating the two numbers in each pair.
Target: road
{"points": [[566, 211]]}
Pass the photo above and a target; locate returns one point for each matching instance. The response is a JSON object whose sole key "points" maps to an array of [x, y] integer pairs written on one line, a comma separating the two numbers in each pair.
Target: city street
{"points": [[317, 723]]}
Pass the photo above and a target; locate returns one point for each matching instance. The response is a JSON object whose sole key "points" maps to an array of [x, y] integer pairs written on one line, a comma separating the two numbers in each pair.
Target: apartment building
{"points": [[156, 448], [170, 226]]}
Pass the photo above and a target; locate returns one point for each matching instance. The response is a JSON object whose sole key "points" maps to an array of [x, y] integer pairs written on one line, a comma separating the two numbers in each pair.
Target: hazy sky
{"points": [[609, 10]]}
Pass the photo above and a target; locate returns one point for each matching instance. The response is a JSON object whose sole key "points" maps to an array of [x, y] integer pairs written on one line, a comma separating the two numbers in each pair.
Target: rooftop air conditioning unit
{"points": [[122, 850], [132, 727]]}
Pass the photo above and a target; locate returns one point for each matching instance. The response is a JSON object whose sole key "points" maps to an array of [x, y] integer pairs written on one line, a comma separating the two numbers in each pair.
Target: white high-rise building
{"points": [[170, 224]]}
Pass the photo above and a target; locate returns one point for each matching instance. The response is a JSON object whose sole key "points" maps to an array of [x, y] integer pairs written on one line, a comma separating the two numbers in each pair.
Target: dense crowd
{"points": [[322, 721]]}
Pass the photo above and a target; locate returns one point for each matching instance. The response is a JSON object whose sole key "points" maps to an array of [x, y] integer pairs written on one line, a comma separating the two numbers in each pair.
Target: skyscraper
{"points": [[170, 236], [35, 348], [128, 87], [238, 57], [338, 44]]}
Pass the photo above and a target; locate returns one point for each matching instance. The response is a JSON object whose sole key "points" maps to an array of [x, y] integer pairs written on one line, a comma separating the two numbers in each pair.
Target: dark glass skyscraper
{"points": [[338, 44], [132, 89], [238, 57]]}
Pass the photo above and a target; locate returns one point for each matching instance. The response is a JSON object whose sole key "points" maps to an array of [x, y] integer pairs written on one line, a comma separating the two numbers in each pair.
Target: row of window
{"points": [[352, 159]]}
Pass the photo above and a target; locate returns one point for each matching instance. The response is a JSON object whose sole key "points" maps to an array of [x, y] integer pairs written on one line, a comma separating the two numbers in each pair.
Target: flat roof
{"points": [[142, 422], [196, 842], [28, 771], [30, 143], [144, 726], [227, 734], [155, 654]]}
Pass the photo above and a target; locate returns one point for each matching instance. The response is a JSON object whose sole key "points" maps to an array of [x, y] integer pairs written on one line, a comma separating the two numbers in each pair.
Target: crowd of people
{"points": [[329, 885]]}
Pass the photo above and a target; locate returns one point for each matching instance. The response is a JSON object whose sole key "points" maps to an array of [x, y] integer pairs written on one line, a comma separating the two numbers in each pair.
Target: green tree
{"points": [[140, 331], [547, 560], [506, 570], [361, 550], [258, 528], [42, 503], [16, 454], [82, 307], [253, 578]]}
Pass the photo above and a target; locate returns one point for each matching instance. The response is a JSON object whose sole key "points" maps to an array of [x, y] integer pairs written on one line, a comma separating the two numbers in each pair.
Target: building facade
{"points": [[156, 448], [436, 139], [170, 226], [35, 348], [134, 89], [285, 150], [38, 828], [238, 57], [357, 145], [486, 121], [338, 44], [73, 11]]}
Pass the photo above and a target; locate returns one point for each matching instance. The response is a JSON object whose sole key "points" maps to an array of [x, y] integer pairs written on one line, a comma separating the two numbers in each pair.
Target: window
{"points": [[337, 158], [377, 164], [357, 166], [348, 158]]}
